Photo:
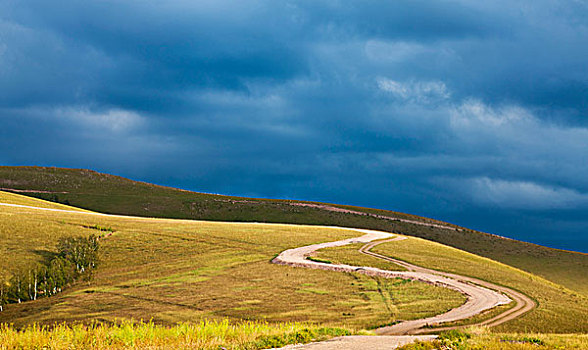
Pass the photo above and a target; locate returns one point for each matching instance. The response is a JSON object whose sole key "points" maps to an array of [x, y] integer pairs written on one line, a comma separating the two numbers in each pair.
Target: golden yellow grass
{"points": [[141, 335], [12, 198], [528, 341], [478, 338], [177, 270]]}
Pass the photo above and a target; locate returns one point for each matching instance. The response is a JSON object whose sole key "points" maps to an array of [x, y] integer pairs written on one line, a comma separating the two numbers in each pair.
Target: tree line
{"points": [[76, 257]]}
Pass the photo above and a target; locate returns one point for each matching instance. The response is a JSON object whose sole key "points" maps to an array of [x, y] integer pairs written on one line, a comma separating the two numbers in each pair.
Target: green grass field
{"points": [[177, 270], [112, 194]]}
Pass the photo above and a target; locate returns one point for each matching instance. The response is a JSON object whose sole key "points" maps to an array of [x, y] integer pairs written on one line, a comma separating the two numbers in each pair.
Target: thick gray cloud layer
{"points": [[467, 111]]}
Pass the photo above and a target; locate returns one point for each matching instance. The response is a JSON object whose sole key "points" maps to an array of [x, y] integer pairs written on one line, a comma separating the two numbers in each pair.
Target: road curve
{"points": [[523, 303], [480, 296]]}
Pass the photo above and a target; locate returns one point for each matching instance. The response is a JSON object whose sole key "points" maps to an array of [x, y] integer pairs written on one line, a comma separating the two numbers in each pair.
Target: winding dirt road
{"points": [[481, 295], [523, 303]]}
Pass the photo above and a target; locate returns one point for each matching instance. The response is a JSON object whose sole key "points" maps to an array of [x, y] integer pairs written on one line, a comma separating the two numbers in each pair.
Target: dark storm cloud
{"points": [[466, 111]]}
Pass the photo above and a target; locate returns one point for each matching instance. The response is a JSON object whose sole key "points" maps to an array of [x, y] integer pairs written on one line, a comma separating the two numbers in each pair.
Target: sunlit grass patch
{"points": [[202, 335], [349, 254], [12, 198], [488, 314], [481, 338], [313, 291]]}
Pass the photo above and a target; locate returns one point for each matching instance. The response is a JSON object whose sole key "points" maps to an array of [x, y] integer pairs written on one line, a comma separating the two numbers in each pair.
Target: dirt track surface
{"points": [[481, 295], [383, 342], [523, 304]]}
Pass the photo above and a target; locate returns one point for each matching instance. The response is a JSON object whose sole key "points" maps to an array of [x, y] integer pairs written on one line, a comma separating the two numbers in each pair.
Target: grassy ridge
{"points": [[113, 194], [176, 270]]}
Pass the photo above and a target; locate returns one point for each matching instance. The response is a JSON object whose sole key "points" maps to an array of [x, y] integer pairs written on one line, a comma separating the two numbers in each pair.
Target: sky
{"points": [[472, 112]]}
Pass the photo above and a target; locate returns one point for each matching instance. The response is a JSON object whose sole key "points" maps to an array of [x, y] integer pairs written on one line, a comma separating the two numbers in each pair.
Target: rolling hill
{"points": [[173, 271], [116, 195]]}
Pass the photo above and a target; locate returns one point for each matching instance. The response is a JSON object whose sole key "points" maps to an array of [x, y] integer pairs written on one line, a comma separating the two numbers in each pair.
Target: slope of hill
{"points": [[552, 299], [178, 270], [112, 194]]}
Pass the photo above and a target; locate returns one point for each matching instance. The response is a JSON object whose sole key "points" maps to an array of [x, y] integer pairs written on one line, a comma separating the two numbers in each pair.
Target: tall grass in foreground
{"points": [[127, 334], [481, 338]]}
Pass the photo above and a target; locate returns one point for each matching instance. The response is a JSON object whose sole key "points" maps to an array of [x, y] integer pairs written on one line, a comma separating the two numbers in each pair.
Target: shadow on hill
{"points": [[46, 255]]}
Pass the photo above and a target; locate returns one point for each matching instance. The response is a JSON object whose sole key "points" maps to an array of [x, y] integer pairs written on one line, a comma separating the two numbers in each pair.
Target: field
{"points": [[210, 284], [560, 310], [203, 335], [254, 335], [177, 270], [112, 194]]}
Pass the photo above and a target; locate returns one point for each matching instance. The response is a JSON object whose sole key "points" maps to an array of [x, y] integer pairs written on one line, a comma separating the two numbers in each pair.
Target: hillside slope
{"points": [[116, 195], [172, 271], [178, 270]]}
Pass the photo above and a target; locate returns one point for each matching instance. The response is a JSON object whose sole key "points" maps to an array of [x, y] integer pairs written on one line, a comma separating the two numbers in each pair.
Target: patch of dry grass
{"points": [[130, 335], [12, 198]]}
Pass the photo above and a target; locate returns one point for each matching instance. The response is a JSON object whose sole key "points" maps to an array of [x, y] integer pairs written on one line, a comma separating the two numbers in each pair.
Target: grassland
{"points": [[140, 335], [520, 341], [112, 194], [177, 270], [560, 309]]}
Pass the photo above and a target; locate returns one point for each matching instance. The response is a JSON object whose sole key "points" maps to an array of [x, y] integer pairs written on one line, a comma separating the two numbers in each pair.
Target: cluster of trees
{"points": [[76, 257]]}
